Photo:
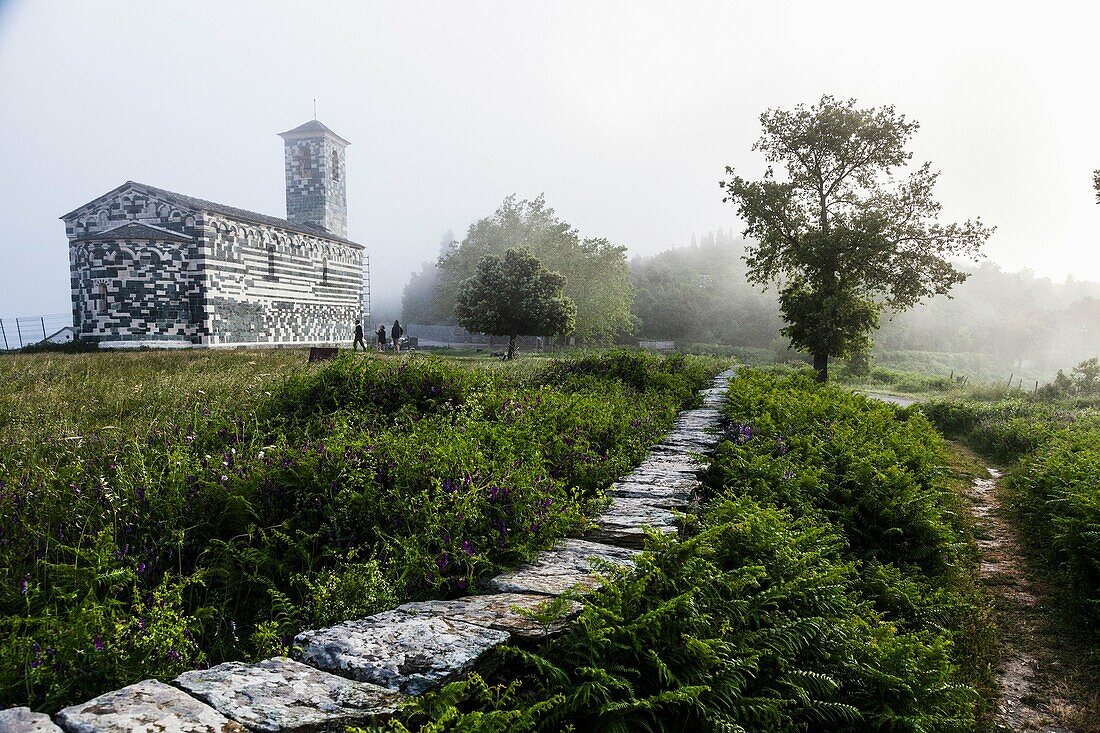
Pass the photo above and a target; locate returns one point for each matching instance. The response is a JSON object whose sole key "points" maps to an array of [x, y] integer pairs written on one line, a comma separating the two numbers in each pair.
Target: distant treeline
{"points": [[698, 294]]}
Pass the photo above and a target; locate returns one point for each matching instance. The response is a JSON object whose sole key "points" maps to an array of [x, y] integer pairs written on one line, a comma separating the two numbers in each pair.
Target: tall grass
{"points": [[163, 511]]}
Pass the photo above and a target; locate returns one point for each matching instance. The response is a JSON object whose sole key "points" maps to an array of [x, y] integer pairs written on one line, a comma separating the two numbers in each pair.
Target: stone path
{"points": [[359, 670]]}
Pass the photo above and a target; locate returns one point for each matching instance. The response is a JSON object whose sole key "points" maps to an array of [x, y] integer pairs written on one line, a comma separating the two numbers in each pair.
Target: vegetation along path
{"points": [[1033, 670]]}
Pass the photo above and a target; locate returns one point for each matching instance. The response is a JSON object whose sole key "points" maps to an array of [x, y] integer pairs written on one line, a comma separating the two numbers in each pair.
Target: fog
{"points": [[624, 115]]}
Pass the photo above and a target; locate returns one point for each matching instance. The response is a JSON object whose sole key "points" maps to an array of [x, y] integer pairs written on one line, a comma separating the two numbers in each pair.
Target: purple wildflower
{"points": [[467, 547], [98, 644], [443, 561]]}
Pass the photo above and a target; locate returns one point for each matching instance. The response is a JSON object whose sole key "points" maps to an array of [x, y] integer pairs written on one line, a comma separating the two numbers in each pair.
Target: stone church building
{"points": [[156, 268]]}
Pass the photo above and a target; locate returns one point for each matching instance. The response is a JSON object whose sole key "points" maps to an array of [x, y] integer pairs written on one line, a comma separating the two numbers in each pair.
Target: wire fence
{"points": [[15, 333]]}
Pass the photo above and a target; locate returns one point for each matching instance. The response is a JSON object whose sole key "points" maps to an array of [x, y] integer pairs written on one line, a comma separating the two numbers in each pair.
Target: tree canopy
{"points": [[696, 294], [513, 296], [838, 230], [596, 271]]}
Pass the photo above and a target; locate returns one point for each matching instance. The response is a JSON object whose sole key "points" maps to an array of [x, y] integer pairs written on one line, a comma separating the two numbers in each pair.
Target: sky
{"points": [[624, 114]]}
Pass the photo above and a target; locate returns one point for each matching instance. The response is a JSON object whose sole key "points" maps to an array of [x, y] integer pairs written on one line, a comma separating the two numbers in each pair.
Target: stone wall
{"points": [[316, 193], [266, 285]]}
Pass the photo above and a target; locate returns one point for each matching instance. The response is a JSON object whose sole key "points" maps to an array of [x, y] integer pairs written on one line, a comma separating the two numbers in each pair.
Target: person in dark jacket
{"points": [[395, 335], [358, 336], [381, 337]]}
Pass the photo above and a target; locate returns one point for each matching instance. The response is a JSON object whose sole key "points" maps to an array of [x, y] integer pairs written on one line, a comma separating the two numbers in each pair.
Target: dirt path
{"points": [[1034, 674]]}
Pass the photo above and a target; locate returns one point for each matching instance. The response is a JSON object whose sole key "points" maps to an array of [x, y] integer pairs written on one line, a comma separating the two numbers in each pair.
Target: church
{"points": [[150, 267]]}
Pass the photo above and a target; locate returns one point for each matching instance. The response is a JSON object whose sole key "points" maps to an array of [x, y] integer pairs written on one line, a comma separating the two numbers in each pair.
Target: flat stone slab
{"points": [[669, 473], [501, 611], [407, 652], [625, 521], [146, 707], [22, 720], [280, 694], [563, 568], [656, 494]]}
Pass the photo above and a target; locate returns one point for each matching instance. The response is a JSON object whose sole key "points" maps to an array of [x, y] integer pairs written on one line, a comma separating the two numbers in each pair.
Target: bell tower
{"points": [[316, 190]]}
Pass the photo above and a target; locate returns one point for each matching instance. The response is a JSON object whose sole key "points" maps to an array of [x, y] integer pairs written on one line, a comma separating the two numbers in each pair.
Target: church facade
{"points": [[150, 267]]}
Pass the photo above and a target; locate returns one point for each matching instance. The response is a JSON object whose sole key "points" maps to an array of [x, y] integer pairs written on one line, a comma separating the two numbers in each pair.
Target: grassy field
{"points": [[165, 510]]}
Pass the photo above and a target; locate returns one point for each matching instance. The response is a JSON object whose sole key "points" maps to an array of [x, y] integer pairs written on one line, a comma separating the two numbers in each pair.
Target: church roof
{"points": [[311, 128], [197, 204], [139, 230]]}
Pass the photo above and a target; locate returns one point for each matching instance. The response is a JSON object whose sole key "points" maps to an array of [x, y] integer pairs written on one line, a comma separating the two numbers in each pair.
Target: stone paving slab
{"points": [[657, 494], [665, 473], [563, 568], [407, 652], [625, 521], [674, 446], [146, 707], [280, 694], [501, 611], [22, 720]]}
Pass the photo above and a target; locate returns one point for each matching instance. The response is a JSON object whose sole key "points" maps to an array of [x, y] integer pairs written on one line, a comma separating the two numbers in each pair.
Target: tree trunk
{"points": [[511, 347], [821, 365]]}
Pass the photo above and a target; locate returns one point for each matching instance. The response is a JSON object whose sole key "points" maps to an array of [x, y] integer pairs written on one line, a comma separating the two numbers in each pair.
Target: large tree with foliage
{"points": [[839, 230], [513, 296], [596, 272]]}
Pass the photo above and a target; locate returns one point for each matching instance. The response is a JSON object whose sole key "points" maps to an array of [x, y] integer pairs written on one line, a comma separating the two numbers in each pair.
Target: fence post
{"points": [[43, 319], [19, 330], [4, 332]]}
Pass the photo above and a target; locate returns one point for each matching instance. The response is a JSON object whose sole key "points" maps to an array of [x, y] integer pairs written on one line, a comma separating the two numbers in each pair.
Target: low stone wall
{"points": [[360, 670]]}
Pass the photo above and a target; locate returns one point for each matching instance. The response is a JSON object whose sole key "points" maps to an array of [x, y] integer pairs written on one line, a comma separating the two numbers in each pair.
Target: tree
{"points": [[596, 271], [514, 296], [840, 234], [421, 300], [1096, 184]]}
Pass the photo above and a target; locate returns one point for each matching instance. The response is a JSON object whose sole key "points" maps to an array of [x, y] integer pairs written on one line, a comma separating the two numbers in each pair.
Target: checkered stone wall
{"points": [[134, 290], [266, 285], [316, 192]]}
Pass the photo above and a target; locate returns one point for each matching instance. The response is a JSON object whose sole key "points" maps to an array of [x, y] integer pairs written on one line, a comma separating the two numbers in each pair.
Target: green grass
{"points": [[164, 510]]}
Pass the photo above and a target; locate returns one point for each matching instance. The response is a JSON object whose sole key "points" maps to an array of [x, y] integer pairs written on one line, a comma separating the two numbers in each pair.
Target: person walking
{"points": [[381, 337], [395, 335], [358, 336]]}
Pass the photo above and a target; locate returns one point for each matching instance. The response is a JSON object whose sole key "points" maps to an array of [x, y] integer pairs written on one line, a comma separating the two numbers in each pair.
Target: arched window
{"points": [[102, 218], [304, 162], [335, 166], [324, 271], [270, 261], [101, 296]]}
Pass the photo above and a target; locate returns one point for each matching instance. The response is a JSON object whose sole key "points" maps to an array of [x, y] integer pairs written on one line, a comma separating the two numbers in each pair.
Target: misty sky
{"points": [[624, 114]]}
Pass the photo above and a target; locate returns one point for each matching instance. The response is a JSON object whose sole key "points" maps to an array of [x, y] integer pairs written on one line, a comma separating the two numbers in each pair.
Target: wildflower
{"points": [[788, 475], [98, 644], [443, 561], [467, 547], [781, 447], [173, 655]]}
